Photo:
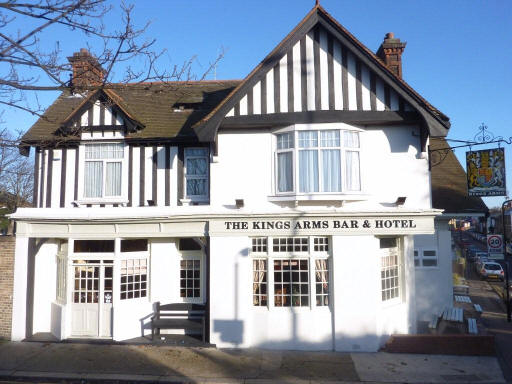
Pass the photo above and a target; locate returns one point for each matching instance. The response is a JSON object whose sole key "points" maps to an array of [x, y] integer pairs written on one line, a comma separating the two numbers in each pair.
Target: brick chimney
{"points": [[87, 72], [390, 51]]}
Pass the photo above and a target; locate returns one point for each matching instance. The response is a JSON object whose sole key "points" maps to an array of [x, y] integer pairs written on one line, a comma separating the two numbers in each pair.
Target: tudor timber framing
{"points": [[307, 117], [206, 130]]}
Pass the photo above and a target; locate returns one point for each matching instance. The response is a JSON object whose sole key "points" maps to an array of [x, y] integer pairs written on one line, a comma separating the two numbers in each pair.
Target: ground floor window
{"points": [[390, 269], [190, 278], [424, 257], [294, 272], [134, 275]]}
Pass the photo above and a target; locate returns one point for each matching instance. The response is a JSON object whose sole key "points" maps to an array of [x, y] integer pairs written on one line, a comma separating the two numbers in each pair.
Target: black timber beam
{"points": [[309, 117]]}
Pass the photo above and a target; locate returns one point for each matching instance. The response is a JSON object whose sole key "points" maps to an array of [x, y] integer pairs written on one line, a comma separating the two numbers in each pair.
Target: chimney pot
{"points": [[390, 52]]}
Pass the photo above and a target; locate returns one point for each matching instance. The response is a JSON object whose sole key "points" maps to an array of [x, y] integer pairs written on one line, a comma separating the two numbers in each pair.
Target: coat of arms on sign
{"points": [[486, 172]]}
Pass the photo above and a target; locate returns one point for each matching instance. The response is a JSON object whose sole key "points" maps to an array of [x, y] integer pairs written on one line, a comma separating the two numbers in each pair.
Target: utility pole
{"points": [[505, 203]]}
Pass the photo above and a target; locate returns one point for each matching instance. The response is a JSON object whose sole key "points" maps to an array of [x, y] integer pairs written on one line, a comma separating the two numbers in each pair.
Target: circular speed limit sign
{"points": [[494, 242]]}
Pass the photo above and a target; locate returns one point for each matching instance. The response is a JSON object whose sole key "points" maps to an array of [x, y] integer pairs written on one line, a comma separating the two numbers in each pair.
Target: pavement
{"points": [[84, 363]]}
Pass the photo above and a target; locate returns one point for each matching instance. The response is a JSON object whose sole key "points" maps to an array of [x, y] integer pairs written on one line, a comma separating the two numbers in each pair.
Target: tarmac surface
{"points": [[83, 363]]}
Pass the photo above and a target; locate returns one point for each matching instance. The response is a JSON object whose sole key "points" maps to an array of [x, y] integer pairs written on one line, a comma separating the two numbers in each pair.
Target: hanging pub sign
{"points": [[486, 172]]}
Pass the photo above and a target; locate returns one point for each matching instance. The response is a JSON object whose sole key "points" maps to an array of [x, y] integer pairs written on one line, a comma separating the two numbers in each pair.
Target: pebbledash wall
{"points": [[7, 244]]}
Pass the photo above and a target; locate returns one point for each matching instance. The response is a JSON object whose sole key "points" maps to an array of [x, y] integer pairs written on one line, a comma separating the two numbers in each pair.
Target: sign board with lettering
{"points": [[495, 246], [396, 225]]}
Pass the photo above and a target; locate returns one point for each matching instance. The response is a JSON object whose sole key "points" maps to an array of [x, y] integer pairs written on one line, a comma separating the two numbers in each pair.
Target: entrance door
{"points": [[92, 298]]}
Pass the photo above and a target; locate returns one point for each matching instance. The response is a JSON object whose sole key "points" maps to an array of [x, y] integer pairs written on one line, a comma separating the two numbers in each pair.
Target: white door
{"points": [[92, 299]]}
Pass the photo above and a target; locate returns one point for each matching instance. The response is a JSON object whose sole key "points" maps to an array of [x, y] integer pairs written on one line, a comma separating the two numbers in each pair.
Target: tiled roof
{"points": [[151, 104], [449, 183]]}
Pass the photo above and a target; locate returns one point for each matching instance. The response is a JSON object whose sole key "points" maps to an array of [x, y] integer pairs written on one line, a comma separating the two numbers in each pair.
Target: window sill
{"points": [[115, 200], [337, 196]]}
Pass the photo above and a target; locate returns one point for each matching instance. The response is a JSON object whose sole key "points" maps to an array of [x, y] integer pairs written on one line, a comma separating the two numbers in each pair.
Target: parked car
{"points": [[490, 270], [477, 256]]}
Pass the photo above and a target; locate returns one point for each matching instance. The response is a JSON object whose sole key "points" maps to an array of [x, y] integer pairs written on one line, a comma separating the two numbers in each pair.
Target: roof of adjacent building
{"points": [[449, 183], [154, 105]]}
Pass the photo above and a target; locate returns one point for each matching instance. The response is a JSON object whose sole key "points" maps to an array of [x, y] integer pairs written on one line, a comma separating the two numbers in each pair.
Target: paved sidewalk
{"points": [[53, 362]]}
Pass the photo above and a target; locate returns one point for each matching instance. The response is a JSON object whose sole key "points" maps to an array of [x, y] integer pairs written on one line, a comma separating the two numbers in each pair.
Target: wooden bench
{"points": [[462, 299], [179, 316], [472, 327], [453, 314]]}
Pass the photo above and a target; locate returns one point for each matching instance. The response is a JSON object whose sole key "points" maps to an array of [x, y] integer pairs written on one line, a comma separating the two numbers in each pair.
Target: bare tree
{"points": [[29, 68]]}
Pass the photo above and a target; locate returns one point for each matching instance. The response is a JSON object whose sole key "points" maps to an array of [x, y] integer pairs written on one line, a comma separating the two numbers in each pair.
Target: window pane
{"points": [[429, 262], [429, 253], [196, 152], [197, 166], [134, 245], [308, 139], [330, 138], [113, 179], [196, 187], [285, 141], [93, 179], [104, 151], [93, 246], [352, 169], [331, 170], [308, 171], [351, 139], [284, 172]]}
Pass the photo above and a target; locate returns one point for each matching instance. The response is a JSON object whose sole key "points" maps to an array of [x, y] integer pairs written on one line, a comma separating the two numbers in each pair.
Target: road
{"points": [[494, 317]]}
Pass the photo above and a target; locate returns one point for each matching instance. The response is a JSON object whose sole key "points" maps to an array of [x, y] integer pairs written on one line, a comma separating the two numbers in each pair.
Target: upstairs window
{"points": [[103, 169], [196, 173], [317, 161]]}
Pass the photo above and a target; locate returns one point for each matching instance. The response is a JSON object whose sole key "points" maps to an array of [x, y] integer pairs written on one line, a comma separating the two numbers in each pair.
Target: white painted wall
{"points": [[45, 278], [19, 295], [391, 166], [430, 297]]}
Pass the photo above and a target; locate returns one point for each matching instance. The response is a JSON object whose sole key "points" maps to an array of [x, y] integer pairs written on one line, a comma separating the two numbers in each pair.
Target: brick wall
{"points": [[6, 283]]}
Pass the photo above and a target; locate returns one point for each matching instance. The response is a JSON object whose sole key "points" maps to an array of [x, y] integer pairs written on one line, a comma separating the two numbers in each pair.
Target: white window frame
{"points": [[196, 198], [419, 257], [137, 255], [123, 197], [295, 150], [383, 252], [193, 256], [310, 255]]}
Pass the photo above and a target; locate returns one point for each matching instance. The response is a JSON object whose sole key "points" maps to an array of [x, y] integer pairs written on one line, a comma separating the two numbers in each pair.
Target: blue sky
{"points": [[458, 54]]}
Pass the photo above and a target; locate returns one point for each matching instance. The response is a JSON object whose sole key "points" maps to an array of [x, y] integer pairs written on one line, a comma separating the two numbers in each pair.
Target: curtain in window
{"points": [[196, 187], [113, 179], [284, 172], [322, 274], [197, 166], [308, 139], [331, 172], [353, 178], [329, 138], [308, 171], [351, 139], [93, 179], [104, 151]]}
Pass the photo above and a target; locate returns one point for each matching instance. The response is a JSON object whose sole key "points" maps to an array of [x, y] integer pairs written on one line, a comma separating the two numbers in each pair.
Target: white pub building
{"points": [[296, 204]]}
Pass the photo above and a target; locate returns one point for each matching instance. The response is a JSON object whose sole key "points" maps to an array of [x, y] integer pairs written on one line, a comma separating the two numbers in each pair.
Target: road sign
{"points": [[494, 244]]}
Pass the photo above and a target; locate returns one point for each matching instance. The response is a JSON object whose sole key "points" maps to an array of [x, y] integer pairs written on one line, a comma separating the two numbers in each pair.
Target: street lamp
{"points": [[506, 202]]}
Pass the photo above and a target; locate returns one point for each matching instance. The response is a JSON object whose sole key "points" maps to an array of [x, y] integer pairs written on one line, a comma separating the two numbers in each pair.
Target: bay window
{"points": [[317, 161], [103, 168], [293, 272]]}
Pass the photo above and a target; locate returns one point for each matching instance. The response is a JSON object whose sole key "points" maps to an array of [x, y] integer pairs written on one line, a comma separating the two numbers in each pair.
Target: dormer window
{"points": [[103, 170], [317, 161]]}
